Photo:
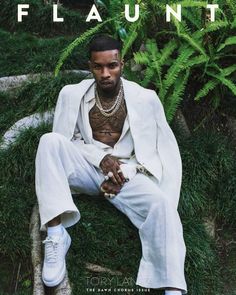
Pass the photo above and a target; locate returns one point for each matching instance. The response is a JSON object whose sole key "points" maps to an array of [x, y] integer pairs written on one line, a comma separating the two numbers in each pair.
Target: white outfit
{"points": [[66, 162]]}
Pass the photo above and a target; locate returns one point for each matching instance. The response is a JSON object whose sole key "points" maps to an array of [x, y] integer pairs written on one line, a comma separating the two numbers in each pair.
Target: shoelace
{"points": [[51, 249]]}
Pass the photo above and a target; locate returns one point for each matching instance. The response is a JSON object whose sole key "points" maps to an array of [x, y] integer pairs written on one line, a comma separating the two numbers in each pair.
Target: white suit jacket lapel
{"points": [[75, 102], [132, 103]]}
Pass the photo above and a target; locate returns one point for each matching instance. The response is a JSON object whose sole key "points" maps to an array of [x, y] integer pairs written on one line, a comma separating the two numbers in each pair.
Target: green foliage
{"points": [[39, 20], [22, 53], [32, 97], [78, 41], [210, 158], [202, 263], [169, 53], [171, 83], [192, 38], [206, 158]]}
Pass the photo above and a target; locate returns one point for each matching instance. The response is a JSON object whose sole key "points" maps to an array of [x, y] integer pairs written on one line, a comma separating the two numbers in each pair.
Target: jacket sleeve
{"points": [[92, 153]]}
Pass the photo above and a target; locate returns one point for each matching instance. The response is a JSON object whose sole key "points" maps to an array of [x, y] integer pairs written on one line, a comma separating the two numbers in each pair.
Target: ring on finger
{"points": [[106, 177], [110, 174], [102, 190], [119, 171], [110, 196]]}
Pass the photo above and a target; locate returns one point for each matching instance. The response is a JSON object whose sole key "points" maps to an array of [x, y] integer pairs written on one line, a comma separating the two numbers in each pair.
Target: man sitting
{"points": [[110, 136]]}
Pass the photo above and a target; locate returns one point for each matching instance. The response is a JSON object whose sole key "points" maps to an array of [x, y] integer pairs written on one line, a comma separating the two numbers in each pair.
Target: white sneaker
{"points": [[54, 265]]}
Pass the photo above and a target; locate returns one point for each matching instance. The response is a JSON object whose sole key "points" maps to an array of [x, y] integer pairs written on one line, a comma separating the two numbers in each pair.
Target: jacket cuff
{"points": [[97, 158]]}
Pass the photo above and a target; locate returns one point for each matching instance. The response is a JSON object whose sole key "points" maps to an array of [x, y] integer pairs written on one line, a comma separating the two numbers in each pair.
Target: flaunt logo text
{"points": [[22, 10]]}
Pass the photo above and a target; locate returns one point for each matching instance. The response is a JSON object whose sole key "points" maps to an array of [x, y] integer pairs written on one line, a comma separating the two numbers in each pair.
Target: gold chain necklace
{"points": [[114, 108]]}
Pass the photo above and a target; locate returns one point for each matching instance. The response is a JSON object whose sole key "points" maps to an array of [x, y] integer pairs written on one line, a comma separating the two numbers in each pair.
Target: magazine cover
{"points": [[117, 150]]}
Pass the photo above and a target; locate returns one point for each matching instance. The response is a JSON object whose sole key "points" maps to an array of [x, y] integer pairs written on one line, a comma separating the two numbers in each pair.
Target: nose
{"points": [[105, 73]]}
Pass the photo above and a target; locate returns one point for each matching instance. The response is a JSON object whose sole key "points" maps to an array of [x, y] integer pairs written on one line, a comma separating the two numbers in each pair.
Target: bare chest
{"points": [[107, 129]]}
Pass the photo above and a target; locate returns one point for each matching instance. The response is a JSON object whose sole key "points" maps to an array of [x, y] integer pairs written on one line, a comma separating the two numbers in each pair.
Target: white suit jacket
{"points": [[153, 138]]}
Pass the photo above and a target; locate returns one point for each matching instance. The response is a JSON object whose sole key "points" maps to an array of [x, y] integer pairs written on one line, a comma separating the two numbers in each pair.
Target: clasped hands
{"points": [[114, 178]]}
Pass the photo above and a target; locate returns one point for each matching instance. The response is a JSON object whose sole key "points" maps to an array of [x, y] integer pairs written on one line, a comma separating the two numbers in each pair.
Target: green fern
{"points": [[149, 73], [200, 59], [227, 82], [167, 51], [232, 6], [78, 41], [174, 100], [229, 41], [190, 3], [209, 86], [233, 24], [129, 41], [141, 58], [229, 70], [193, 17], [215, 26], [194, 43], [134, 30], [176, 68]]}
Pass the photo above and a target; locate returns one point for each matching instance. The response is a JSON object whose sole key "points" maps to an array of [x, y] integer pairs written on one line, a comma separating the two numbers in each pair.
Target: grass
{"points": [[32, 97], [23, 53], [104, 236]]}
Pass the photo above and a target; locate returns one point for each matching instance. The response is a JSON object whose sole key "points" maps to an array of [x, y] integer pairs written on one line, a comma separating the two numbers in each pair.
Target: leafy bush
{"points": [[22, 53], [194, 52], [39, 20]]}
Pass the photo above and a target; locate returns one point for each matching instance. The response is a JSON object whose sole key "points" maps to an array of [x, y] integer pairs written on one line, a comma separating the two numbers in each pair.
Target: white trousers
{"points": [[60, 166]]}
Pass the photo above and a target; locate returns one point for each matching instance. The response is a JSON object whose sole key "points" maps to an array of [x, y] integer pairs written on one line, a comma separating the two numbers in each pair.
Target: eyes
{"points": [[110, 66]]}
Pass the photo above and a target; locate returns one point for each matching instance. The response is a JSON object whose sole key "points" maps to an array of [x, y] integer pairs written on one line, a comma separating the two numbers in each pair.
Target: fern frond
{"points": [[167, 51], [227, 82], [152, 49], [215, 26], [228, 41], [232, 7], [176, 68], [197, 60], [149, 73], [129, 41], [193, 43], [78, 41], [233, 24], [229, 70], [193, 17], [171, 104], [190, 3], [209, 86], [141, 58], [184, 28], [161, 60], [134, 29]]}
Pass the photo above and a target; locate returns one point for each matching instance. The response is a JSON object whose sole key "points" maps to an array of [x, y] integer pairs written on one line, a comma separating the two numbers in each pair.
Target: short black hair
{"points": [[103, 43]]}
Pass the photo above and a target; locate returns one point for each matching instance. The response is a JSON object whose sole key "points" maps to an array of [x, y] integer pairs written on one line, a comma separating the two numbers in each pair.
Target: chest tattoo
{"points": [[107, 129]]}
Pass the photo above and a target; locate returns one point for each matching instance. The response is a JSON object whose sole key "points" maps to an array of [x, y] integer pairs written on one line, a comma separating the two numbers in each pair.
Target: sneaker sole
{"points": [[63, 273]]}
